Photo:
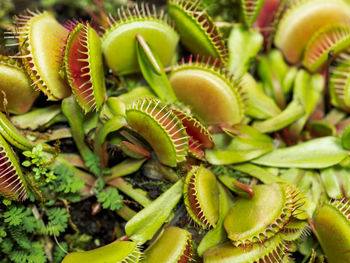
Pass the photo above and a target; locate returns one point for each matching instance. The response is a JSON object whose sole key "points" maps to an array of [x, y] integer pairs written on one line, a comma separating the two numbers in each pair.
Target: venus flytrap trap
{"points": [[38, 38], [197, 30], [201, 197], [161, 128], [178, 244], [296, 22], [251, 10], [83, 66], [119, 43], [202, 79], [17, 86]]}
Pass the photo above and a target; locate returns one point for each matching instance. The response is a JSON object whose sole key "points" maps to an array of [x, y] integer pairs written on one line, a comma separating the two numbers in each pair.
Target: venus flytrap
{"points": [[119, 42], [251, 10], [84, 67], [118, 251], [201, 197], [333, 218], [178, 244], [202, 80], [17, 86], [296, 22], [197, 30], [38, 35], [161, 128]]}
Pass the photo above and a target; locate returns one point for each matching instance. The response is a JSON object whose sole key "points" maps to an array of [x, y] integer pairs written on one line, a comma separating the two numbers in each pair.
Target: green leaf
{"points": [[26, 163], [92, 162], [313, 154], [58, 219], [259, 105], [244, 44], [146, 223], [36, 118], [59, 253], [153, 71], [15, 215], [290, 114], [27, 153], [308, 89], [110, 199], [331, 183], [247, 143], [66, 181], [126, 167], [345, 138]]}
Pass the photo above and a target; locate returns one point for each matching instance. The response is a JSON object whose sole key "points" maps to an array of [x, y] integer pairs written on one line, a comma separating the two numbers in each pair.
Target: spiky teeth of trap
{"points": [[213, 95], [84, 67], [161, 128], [197, 30], [12, 183], [305, 18], [274, 250], [119, 42], [199, 137], [17, 93], [333, 37], [256, 220], [201, 197], [39, 36], [339, 82], [173, 245]]}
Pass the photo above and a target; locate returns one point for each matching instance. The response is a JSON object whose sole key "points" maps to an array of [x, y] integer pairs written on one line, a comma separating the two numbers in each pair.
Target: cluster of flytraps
{"points": [[211, 89]]}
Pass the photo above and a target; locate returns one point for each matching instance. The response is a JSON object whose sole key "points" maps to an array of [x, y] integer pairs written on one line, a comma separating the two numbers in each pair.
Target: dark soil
{"points": [[101, 226]]}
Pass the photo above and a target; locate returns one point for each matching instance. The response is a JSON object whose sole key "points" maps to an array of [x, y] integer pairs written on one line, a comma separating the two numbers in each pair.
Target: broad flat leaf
{"points": [[308, 89], [36, 118], [316, 153], [258, 172], [244, 44], [259, 105], [345, 138], [331, 183], [153, 71], [126, 167], [147, 222], [290, 114], [247, 143]]}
